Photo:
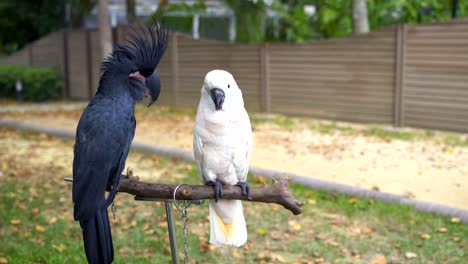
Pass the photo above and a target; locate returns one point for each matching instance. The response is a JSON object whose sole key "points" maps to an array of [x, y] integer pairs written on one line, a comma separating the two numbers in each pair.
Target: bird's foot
{"points": [[245, 189], [218, 187]]}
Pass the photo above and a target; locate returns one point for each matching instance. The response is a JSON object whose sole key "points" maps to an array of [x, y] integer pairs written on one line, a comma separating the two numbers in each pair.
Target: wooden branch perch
{"points": [[277, 192]]}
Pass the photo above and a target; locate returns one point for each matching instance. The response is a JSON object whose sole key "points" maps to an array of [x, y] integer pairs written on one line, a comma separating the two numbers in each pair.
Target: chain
{"points": [[182, 206]]}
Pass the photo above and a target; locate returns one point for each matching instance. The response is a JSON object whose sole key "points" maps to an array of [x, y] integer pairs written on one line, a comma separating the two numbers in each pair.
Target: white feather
{"points": [[230, 230], [222, 144]]}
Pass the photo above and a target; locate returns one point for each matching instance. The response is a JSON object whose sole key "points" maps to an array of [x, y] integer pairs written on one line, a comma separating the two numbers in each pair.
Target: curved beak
{"points": [[218, 98], [153, 83]]}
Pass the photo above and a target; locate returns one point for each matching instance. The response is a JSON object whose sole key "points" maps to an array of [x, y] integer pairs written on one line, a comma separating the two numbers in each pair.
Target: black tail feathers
{"points": [[97, 238]]}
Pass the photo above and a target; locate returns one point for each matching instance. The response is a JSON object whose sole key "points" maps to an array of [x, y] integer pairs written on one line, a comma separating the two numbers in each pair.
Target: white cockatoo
{"points": [[222, 145]]}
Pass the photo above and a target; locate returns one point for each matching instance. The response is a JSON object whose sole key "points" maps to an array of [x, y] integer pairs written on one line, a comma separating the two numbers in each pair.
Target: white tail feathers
{"points": [[227, 223]]}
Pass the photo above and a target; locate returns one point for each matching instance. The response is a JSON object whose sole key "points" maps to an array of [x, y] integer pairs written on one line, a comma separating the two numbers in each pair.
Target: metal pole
{"points": [[170, 228]]}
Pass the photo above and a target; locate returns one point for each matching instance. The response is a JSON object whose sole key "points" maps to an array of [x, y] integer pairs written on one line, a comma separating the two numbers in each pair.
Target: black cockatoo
{"points": [[106, 130]]}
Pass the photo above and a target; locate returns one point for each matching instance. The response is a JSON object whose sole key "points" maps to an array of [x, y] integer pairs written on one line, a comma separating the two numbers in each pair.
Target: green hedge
{"points": [[39, 84]]}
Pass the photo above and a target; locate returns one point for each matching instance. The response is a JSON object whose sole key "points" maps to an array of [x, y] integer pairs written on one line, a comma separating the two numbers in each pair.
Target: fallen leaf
{"points": [[410, 255], [15, 222], [34, 212], [378, 260], [353, 200], [277, 235], [150, 232], [60, 247], [3, 260], [319, 260], [52, 220], [296, 227], [40, 229], [236, 254], [205, 246], [456, 238], [124, 251], [332, 243], [312, 202], [276, 258], [259, 179], [367, 230], [425, 235], [442, 230], [133, 223], [448, 151], [263, 256], [455, 220], [261, 231]]}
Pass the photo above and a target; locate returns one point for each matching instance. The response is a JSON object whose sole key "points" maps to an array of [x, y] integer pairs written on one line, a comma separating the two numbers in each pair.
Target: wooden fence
{"points": [[404, 75]]}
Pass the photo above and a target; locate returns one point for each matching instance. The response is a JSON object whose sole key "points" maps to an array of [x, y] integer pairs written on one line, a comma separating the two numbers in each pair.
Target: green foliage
{"points": [[293, 24], [39, 84], [250, 22], [177, 23], [334, 18], [23, 21]]}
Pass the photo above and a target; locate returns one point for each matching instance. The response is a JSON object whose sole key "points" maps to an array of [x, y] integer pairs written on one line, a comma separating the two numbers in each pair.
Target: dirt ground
{"points": [[425, 170]]}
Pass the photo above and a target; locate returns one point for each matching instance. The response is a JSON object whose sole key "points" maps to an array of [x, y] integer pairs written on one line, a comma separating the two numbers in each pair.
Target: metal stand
{"points": [[170, 222]]}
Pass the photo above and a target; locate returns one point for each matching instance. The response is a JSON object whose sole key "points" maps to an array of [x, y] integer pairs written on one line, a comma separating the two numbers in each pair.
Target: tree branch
{"points": [[277, 192]]}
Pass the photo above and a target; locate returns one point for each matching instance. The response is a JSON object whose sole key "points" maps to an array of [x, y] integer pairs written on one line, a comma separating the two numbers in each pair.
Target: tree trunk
{"points": [[131, 16], [105, 32], [360, 20]]}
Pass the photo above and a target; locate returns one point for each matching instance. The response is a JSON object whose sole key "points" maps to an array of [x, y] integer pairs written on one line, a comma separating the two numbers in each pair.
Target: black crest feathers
{"points": [[144, 48]]}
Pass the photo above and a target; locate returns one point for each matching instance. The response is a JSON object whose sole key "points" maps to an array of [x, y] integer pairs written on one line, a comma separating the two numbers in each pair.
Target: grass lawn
{"points": [[36, 224]]}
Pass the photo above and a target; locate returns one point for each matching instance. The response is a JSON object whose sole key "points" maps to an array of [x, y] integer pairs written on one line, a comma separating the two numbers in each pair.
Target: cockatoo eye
{"points": [[229, 86]]}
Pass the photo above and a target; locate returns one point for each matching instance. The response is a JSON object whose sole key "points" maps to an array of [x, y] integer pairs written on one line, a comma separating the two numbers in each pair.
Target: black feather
{"points": [[105, 133], [140, 50]]}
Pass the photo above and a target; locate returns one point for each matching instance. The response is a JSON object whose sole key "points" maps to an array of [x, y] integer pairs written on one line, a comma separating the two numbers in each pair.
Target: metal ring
{"points": [[175, 191]]}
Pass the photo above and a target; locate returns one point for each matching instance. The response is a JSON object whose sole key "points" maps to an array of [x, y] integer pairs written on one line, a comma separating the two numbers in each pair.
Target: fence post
{"points": [[265, 78], [398, 107], [174, 69], [66, 86], [89, 63]]}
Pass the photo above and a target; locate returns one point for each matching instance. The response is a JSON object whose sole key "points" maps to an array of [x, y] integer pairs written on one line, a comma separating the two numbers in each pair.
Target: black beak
{"points": [[218, 97], [153, 83]]}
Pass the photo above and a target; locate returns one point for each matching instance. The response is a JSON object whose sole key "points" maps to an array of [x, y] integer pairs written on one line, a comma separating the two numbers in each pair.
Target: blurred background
{"points": [[362, 102]]}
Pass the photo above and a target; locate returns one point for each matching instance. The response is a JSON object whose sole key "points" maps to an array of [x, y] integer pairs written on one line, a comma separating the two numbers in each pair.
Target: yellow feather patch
{"points": [[228, 229]]}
